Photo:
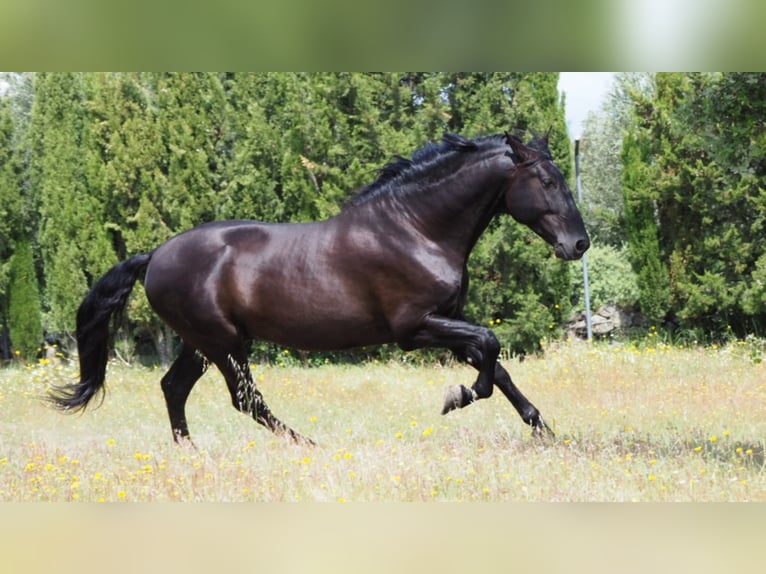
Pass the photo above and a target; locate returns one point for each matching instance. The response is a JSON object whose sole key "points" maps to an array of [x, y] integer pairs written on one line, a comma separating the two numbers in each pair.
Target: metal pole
{"points": [[586, 287]]}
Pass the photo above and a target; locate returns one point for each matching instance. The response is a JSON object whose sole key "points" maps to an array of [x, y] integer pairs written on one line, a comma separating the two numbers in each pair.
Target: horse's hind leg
{"points": [[176, 386], [247, 399]]}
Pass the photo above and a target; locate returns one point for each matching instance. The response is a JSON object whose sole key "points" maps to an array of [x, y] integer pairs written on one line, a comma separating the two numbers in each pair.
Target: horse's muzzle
{"points": [[572, 250]]}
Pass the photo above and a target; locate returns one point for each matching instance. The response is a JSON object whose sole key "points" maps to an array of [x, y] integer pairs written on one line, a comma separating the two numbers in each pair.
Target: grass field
{"points": [[655, 423]]}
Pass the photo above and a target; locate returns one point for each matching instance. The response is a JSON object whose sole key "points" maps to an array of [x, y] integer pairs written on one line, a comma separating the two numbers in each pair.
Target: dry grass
{"points": [[651, 424]]}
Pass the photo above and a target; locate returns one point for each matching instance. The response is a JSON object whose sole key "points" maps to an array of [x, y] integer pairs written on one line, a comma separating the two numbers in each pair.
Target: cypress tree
{"points": [[10, 210], [190, 109], [10, 196], [642, 231], [24, 312], [74, 243], [131, 159], [250, 187]]}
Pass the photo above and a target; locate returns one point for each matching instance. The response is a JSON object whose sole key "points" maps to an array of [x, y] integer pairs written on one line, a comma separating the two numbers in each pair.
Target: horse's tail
{"points": [[107, 297]]}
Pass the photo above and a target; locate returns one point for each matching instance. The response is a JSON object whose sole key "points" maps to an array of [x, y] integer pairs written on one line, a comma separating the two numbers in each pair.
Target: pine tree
{"points": [[712, 198]]}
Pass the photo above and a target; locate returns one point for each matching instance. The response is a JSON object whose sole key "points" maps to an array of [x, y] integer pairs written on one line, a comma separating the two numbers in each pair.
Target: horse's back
{"points": [[197, 250], [288, 283]]}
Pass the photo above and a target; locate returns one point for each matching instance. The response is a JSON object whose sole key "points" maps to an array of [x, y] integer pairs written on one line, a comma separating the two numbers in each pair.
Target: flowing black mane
{"points": [[430, 157]]}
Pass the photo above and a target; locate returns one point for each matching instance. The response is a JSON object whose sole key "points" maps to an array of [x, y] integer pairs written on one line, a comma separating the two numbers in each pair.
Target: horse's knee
{"points": [[482, 351], [483, 388], [491, 346], [172, 391], [166, 385]]}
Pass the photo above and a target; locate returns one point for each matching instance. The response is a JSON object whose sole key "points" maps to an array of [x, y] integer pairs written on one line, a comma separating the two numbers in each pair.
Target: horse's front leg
{"points": [[478, 347], [475, 345], [526, 410], [459, 396]]}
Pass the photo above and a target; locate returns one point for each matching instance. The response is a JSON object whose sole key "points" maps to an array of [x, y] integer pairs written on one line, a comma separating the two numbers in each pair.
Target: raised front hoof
{"points": [[541, 430], [456, 397]]}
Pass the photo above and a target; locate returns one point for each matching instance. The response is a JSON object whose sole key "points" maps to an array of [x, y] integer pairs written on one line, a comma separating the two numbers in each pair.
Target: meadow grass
{"points": [[649, 423]]}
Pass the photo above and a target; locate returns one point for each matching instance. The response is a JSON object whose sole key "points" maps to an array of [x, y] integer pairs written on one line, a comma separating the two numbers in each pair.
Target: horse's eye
{"points": [[547, 182]]}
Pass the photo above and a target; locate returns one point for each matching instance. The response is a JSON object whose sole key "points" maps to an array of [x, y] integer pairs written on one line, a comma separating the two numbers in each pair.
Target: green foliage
{"points": [[754, 295], [24, 314], [611, 278], [514, 277], [517, 283], [10, 199], [189, 122], [73, 240], [702, 196], [642, 232]]}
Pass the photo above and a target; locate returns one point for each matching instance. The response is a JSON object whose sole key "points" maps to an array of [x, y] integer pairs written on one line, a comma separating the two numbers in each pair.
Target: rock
{"points": [[607, 319]]}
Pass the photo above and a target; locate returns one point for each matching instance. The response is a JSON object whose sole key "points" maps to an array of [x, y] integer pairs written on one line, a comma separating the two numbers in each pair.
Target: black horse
{"points": [[391, 267]]}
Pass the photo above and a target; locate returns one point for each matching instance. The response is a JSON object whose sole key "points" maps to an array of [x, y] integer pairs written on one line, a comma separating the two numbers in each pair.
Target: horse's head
{"points": [[539, 198]]}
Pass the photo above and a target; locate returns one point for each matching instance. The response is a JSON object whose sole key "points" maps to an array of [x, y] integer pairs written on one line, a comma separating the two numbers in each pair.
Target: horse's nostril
{"points": [[582, 245]]}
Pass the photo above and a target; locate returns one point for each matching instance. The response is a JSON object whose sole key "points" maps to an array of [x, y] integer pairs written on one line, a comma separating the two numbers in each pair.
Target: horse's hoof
{"points": [[184, 441], [451, 399], [541, 430]]}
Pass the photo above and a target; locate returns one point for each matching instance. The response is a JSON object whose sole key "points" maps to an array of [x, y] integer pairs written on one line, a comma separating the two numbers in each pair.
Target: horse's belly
{"points": [[315, 305], [314, 333]]}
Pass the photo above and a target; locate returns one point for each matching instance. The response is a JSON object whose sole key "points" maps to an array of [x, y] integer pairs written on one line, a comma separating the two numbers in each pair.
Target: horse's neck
{"points": [[457, 210]]}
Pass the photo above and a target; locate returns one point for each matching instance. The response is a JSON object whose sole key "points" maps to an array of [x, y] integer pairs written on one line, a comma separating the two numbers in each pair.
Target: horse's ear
{"points": [[519, 151]]}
